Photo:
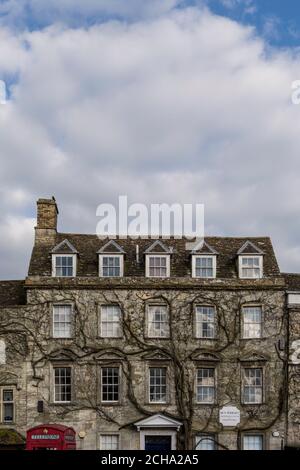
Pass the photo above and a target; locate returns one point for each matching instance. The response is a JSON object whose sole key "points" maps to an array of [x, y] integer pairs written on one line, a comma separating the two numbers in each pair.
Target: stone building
{"points": [[293, 368], [145, 344]]}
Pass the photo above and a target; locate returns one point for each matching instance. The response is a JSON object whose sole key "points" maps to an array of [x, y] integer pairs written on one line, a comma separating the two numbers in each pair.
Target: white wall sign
{"points": [[229, 416]]}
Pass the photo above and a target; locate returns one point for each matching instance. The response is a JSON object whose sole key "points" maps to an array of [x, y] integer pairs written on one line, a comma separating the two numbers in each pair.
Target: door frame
{"points": [[153, 432]]}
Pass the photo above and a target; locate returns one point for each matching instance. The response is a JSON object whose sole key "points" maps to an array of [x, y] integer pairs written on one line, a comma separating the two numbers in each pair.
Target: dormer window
{"points": [[250, 261], [250, 267], [204, 260], [158, 266], [111, 260], [64, 260], [204, 266], [64, 265], [110, 265], [158, 260]]}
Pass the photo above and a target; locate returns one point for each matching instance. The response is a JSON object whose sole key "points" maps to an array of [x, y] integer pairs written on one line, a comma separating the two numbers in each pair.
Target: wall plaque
{"points": [[229, 416]]}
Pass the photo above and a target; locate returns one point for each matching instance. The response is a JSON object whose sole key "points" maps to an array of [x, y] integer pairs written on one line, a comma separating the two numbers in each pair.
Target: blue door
{"points": [[158, 443]]}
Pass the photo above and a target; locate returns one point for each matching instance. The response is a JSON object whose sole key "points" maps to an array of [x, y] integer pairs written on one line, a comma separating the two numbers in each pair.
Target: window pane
{"points": [[158, 321], [110, 323], [253, 385], [7, 399], [253, 442], [252, 322], [251, 267], [205, 442], [8, 412], [109, 442], [111, 266], [62, 321], [8, 395], [204, 266], [157, 266], [206, 385], [110, 383], [62, 384], [205, 322], [158, 384], [64, 266], [204, 262]]}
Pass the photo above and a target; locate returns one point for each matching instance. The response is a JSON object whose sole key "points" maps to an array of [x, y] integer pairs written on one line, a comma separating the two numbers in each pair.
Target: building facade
{"points": [[145, 344]]}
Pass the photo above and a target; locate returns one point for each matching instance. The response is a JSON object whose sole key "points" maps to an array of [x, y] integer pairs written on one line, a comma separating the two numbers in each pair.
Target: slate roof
{"points": [[12, 293], [88, 246], [292, 281], [158, 247]]}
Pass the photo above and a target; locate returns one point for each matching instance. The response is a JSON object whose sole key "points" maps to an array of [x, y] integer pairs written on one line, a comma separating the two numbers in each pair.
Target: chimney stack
{"points": [[46, 228]]}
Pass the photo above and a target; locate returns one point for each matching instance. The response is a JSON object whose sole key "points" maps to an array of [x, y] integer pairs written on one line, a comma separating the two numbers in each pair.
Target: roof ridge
{"points": [[147, 237]]}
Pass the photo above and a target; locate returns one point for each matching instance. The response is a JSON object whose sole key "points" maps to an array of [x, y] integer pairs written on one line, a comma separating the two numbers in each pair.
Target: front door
{"points": [[158, 443]]}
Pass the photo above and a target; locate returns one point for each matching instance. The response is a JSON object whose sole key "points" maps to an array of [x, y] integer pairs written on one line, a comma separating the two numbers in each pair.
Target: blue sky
{"points": [[277, 20], [165, 101]]}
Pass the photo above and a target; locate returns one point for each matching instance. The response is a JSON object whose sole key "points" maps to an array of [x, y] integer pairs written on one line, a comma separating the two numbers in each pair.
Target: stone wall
{"points": [[294, 377], [181, 354]]}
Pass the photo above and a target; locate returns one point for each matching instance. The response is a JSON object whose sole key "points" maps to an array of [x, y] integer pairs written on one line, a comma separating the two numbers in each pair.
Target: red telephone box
{"points": [[51, 437]]}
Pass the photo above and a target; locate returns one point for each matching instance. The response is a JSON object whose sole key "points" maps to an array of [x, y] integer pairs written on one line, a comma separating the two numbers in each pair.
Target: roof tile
{"points": [[89, 245]]}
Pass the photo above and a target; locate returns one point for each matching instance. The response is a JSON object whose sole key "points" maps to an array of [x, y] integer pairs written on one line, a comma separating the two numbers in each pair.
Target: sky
{"points": [[165, 101]]}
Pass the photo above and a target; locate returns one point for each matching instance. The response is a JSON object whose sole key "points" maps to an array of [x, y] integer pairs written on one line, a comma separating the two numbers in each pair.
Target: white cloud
{"points": [[187, 107], [248, 6], [12, 52], [271, 27], [16, 243]]}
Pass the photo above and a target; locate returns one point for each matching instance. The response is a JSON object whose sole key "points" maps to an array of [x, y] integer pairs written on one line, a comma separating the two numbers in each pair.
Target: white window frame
{"points": [[261, 436], [158, 385], [214, 266], [259, 387], [149, 334], [260, 266], [203, 402], [252, 323], [168, 261], [2, 402], [71, 320], [54, 384], [109, 434], [197, 335], [57, 255], [108, 255], [101, 322], [102, 384], [205, 436]]}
